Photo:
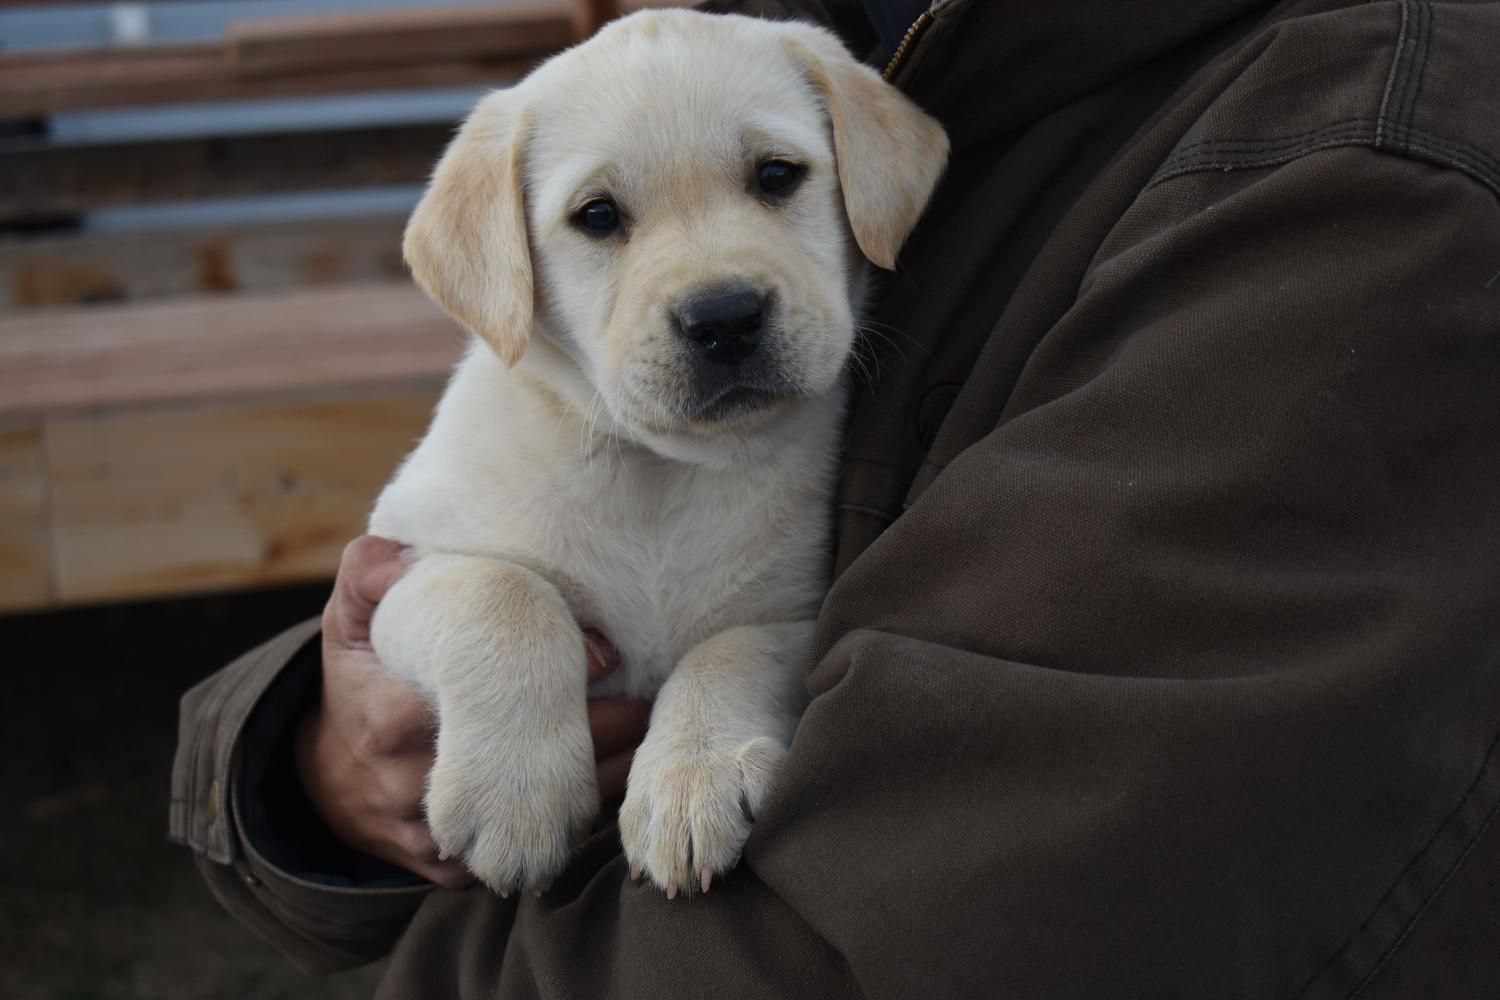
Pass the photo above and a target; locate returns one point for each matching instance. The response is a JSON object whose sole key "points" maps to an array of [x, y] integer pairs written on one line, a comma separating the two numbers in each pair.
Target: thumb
{"points": [[370, 566]]}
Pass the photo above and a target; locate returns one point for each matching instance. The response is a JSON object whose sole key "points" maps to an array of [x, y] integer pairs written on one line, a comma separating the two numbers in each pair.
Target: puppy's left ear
{"points": [[890, 152], [466, 241]]}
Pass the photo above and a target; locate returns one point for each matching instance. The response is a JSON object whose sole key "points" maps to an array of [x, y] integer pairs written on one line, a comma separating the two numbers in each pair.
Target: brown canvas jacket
{"points": [[1163, 657]]}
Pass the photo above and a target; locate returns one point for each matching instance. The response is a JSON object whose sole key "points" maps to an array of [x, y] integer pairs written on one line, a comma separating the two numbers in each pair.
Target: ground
{"points": [[94, 901]]}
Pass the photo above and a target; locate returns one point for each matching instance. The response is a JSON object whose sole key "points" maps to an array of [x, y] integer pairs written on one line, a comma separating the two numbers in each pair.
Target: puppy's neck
{"points": [[558, 386]]}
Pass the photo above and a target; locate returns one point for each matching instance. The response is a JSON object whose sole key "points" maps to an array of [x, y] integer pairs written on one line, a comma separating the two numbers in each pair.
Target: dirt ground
{"points": [[94, 901]]}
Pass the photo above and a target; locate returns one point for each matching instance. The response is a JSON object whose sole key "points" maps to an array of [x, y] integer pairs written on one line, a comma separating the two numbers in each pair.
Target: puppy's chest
{"points": [[667, 565]]}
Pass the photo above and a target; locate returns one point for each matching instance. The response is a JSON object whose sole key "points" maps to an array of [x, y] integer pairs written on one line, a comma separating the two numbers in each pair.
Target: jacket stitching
{"points": [[221, 759], [1226, 155], [1390, 80], [1408, 60], [1421, 910], [1413, 18], [1424, 49], [1473, 152], [1269, 161], [860, 508], [1219, 146], [1474, 789], [226, 763], [1458, 162], [1476, 162]]}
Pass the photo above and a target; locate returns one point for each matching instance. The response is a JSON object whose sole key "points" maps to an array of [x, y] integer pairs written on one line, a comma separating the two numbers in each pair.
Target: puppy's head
{"points": [[680, 207]]}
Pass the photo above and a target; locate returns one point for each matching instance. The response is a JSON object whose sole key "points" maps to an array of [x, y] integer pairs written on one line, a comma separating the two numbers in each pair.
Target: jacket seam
{"points": [[860, 508], [257, 860], [1409, 143], [221, 764], [1247, 161], [225, 762], [1471, 795], [1425, 16], [1485, 165], [1426, 904], [1392, 130], [1393, 76], [1259, 145]]}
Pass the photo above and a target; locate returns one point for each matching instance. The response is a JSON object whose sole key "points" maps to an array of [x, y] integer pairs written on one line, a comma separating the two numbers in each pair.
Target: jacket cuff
{"points": [[212, 719], [321, 927], [275, 816]]}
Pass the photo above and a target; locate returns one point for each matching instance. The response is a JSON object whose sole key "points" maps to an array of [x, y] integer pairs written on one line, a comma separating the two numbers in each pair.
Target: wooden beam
{"points": [[94, 268], [34, 85], [212, 349], [597, 12], [26, 579], [44, 180], [149, 503], [399, 37]]}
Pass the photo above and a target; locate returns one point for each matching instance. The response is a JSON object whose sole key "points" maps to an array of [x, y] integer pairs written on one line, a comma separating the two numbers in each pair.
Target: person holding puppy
{"points": [[1161, 653]]}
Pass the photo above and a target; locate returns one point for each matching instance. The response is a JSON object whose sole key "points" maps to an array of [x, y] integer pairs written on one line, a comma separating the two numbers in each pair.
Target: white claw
{"points": [[708, 877]]}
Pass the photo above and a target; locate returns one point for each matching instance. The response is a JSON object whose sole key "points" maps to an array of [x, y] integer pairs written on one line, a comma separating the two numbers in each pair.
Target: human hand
{"points": [[364, 754]]}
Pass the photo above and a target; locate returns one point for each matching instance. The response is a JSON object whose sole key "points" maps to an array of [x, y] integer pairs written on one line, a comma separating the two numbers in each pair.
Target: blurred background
{"points": [[211, 359]]}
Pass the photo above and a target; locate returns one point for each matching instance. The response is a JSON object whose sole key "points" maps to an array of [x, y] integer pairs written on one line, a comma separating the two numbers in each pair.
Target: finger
{"points": [[395, 723], [369, 567], [612, 773], [415, 851], [448, 874], [401, 788], [617, 723], [603, 658]]}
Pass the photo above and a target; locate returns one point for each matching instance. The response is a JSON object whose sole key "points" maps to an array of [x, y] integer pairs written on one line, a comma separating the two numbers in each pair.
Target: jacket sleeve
{"points": [[323, 922], [1181, 682]]}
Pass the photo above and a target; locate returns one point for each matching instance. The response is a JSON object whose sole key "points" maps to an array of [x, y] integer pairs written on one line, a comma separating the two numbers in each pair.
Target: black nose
{"points": [[726, 325]]}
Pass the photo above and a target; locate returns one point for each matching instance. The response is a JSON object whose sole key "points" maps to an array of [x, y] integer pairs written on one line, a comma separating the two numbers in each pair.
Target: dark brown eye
{"points": [[778, 176], [599, 217]]}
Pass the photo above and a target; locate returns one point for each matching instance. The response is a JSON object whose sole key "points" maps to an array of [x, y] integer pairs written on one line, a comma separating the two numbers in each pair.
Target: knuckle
{"points": [[356, 553], [394, 728]]}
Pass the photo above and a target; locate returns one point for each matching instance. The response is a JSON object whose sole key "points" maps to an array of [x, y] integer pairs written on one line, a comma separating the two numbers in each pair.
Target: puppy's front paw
{"points": [[690, 804], [512, 810]]}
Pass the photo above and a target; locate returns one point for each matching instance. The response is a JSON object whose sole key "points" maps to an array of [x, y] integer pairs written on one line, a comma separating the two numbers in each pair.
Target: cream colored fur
{"points": [[568, 481]]}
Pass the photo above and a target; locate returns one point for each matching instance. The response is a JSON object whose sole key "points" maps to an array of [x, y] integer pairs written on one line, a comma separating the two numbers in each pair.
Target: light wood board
{"points": [[210, 349], [124, 505]]}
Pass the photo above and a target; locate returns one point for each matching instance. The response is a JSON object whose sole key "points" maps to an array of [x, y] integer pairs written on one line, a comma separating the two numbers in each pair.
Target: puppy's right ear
{"points": [[466, 241], [890, 152]]}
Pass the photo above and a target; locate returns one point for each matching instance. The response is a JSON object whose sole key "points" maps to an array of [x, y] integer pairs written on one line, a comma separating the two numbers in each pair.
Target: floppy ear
{"points": [[890, 152], [466, 241]]}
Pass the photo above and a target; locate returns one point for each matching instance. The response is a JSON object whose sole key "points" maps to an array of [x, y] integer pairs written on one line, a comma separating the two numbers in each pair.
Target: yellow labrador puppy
{"points": [[658, 239]]}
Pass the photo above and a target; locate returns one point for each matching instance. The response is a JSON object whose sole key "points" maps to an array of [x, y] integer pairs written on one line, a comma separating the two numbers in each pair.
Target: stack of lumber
{"points": [[217, 408]]}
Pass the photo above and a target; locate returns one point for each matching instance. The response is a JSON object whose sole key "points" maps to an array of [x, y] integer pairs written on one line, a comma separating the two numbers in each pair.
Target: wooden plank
{"points": [[153, 503], [211, 349], [91, 268], [265, 47], [25, 543], [597, 12], [44, 180], [38, 84]]}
